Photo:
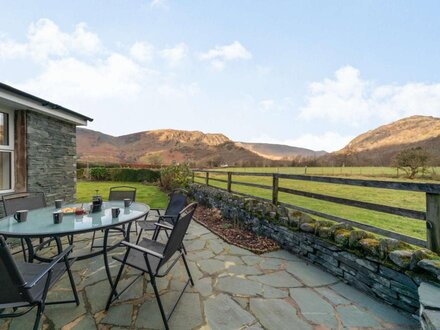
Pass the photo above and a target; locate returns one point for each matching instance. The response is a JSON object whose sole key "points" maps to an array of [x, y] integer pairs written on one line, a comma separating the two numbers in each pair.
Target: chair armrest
{"points": [[157, 210], [49, 267], [142, 249], [164, 226], [168, 216]]}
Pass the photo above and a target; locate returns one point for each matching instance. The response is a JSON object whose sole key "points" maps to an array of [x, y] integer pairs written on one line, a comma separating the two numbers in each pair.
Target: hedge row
{"points": [[119, 174]]}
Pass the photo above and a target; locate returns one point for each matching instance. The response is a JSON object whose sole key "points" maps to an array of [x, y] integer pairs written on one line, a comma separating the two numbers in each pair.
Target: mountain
{"points": [[379, 146], [279, 151], [162, 146]]}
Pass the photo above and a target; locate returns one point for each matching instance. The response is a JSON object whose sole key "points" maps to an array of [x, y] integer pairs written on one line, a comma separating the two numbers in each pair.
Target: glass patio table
{"points": [[40, 224]]}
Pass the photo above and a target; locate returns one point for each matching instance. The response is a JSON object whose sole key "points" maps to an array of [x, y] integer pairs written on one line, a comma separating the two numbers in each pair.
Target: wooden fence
{"points": [[431, 216]]}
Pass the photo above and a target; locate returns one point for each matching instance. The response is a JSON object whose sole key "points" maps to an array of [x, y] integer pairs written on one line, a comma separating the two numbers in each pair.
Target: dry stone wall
{"points": [[385, 268]]}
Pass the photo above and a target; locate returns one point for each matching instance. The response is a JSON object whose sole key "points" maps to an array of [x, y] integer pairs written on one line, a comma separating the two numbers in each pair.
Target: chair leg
{"points": [[156, 233], [23, 249], [187, 270], [113, 292], [38, 318], [156, 293], [72, 281], [139, 236]]}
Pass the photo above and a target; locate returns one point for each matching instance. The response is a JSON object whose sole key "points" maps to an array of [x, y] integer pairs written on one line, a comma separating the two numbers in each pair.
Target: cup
{"points": [[58, 217], [127, 202], [115, 212], [58, 203], [21, 215]]}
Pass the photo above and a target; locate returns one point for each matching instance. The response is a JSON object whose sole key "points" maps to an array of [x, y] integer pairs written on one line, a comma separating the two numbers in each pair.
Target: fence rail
{"points": [[431, 216]]}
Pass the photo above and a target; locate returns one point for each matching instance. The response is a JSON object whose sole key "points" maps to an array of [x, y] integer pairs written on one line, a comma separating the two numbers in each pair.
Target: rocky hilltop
{"points": [[279, 151], [162, 146], [379, 146]]}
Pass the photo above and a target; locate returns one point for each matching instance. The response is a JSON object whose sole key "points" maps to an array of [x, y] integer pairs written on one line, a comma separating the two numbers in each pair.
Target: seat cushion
{"points": [[30, 270], [136, 258]]}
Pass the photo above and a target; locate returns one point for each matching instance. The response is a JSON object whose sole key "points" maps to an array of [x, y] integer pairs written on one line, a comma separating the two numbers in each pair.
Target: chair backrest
{"points": [[11, 280], [121, 192], [23, 201], [177, 203], [178, 233]]}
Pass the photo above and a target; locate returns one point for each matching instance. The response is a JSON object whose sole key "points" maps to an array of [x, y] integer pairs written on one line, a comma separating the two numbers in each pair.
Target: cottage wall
{"points": [[51, 157]]}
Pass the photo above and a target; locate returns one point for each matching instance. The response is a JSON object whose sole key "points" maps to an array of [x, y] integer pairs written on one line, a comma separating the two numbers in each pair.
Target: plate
{"points": [[69, 210]]}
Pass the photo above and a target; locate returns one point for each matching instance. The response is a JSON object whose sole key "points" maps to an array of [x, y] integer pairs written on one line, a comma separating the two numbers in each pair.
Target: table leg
{"points": [[31, 252], [127, 235], [106, 264], [59, 244]]}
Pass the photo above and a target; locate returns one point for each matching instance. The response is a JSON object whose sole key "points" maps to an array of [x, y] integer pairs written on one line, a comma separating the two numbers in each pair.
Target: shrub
{"points": [[175, 176], [99, 174], [134, 175]]}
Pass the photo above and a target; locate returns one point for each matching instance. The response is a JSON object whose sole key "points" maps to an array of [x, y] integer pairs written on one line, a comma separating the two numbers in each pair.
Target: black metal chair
{"points": [[25, 285], [27, 200], [24, 201], [150, 257], [122, 192], [118, 193], [177, 203]]}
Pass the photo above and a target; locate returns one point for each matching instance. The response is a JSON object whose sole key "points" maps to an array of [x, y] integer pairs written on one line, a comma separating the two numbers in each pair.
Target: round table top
{"points": [[40, 223]]}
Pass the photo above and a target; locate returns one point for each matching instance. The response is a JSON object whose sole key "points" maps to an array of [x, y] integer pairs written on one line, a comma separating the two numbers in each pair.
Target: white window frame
{"points": [[10, 148]]}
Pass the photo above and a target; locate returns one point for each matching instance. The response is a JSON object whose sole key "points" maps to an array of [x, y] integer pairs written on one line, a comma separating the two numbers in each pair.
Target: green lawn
{"points": [[403, 199], [378, 172], [147, 194]]}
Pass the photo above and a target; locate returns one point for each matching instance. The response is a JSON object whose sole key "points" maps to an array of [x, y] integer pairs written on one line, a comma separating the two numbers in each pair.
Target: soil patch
{"points": [[233, 233]]}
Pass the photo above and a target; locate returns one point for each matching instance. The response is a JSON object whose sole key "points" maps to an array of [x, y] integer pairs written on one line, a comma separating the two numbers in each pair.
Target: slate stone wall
{"points": [[383, 282], [370, 270], [51, 157]]}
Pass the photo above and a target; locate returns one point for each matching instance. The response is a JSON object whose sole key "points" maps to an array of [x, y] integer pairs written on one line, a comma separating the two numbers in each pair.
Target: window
{"points": [[6, 151]]}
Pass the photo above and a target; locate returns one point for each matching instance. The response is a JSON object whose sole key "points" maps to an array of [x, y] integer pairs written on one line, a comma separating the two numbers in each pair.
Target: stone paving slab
{"points": [[235, 289]]}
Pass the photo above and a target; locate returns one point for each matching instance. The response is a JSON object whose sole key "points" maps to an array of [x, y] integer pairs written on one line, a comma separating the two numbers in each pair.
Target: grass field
{"points": [[369, 171], [148, 194], [403, 199]]}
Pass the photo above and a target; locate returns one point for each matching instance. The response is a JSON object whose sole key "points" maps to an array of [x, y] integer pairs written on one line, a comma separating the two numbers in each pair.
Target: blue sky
{"points": [[306, 73]]}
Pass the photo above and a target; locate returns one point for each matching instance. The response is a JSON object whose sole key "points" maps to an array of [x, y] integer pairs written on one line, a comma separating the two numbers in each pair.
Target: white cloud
{"points": [[328, 141], [218, 65], [351, 100], [45, 40], [220, 54], [181, 91], [175, 55], [159, 4], [142, 51], [115, 77], [10, 49], [267, 104]]}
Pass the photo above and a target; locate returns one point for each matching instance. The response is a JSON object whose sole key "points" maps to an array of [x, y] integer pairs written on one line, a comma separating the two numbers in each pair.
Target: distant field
{"points": [[403, 199], [386, 172], [147, 194]]}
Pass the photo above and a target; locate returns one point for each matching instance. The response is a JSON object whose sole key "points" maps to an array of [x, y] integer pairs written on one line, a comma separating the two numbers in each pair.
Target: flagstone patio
{"points": [[234, 289]]}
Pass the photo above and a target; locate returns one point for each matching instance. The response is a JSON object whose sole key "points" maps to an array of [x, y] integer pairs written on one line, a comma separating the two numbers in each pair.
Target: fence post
{"points": [[229, 181], [275, 189], [433, 222], [207, 178]]}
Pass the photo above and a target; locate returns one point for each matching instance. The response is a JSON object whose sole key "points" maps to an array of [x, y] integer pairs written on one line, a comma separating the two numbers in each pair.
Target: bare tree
{"points": [[412, 161]]}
